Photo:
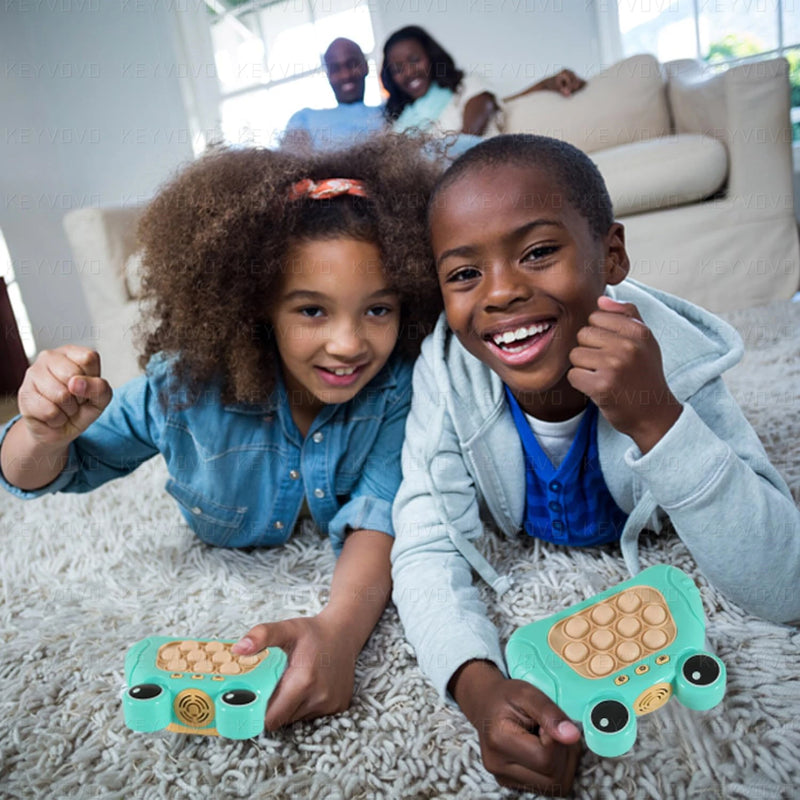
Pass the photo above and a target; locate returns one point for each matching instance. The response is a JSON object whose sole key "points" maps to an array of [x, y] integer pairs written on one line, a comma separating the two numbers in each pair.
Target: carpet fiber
{"points": [[84, 576]]}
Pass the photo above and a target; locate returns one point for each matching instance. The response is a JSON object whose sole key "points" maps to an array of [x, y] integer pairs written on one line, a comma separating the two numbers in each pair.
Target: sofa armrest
{"points": [[747, 108], [101, 240]]}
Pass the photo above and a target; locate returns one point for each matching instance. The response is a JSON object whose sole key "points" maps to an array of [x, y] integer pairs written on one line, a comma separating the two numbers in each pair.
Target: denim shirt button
{"points": [[294, 474], [555, 507], [319, 493], [555, 486], [558, 525], [196, 510], [278, 525], [318, 437]]}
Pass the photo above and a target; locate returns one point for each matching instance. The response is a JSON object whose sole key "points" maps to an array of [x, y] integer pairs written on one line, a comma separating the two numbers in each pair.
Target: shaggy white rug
{"points": [[84, 576]]}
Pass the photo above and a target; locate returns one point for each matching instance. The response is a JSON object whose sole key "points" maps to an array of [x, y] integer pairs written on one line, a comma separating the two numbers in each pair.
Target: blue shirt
{"points": [[337, 127], [240, 472], [570, 505]]}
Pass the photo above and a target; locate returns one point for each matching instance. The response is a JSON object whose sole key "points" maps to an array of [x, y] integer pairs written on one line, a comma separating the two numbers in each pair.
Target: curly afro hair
{"points": [[215, 242]]}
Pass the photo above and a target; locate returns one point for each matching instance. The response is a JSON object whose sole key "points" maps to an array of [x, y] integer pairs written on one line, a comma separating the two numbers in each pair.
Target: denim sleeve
{"points": [[115, 444], [370, 504]]}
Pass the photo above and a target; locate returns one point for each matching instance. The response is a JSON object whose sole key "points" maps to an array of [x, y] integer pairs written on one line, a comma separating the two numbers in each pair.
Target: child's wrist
{"points": [[28, 463], [657, 426], [470, 683], [343, 628]]}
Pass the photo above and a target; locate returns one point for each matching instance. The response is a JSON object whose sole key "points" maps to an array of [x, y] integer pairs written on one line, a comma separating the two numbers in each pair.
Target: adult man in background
{"points": [[350, 120]]}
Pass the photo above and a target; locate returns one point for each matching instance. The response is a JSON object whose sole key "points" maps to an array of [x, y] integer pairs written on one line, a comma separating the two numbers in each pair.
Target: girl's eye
{"points": [[463, 274], [311, 311], [539, 252]]}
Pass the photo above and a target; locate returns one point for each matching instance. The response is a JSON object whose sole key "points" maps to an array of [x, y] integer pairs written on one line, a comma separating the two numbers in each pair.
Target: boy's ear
{"points": [[617, 264]]}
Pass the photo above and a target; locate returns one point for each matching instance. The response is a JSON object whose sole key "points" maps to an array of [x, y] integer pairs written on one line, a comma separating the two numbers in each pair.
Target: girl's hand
{"points": [[526, 741], [319, 676], [62, 394], [617, 363]]}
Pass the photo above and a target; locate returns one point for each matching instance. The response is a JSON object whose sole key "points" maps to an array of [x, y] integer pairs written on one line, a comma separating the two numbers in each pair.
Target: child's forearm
{"points": [[28, 464], [361, 586]]}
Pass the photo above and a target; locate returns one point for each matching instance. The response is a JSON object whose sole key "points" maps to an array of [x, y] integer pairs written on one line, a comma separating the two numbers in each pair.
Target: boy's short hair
{"points": [[583, 184]]}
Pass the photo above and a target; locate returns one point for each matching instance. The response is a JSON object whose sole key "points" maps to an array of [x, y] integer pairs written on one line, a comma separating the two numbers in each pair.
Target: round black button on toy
{"points": [[145, 691], [238, 697], [701, 670], [610, 716]]}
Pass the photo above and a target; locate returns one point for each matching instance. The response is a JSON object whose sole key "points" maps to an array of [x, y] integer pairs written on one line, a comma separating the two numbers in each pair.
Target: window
{"points": [[14, 296], [269, 60], [717, 31]]}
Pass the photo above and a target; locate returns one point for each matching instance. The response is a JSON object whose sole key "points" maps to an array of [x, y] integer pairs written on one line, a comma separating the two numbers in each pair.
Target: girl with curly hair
{"points": [[287, 297]]}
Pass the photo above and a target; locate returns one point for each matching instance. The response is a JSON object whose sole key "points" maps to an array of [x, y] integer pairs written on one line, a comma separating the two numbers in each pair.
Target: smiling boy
{"points": [[578, 407]]}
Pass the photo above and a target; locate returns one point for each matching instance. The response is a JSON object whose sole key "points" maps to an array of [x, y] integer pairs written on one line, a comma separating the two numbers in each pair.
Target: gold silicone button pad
{"points": [[615, 632], [206, 658]]}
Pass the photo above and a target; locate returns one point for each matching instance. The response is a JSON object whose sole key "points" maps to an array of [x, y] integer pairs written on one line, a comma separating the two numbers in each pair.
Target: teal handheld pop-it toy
{"points": [[201, 687], [622, 654]]}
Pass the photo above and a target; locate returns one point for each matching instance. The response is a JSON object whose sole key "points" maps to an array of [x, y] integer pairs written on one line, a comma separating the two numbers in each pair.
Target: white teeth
{"points": [[520, 333], [344, 371]]}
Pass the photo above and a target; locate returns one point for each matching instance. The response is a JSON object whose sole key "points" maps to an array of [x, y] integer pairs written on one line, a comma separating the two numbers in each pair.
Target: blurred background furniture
{"points": [[103, 243], [699, 168], [13, 361]]}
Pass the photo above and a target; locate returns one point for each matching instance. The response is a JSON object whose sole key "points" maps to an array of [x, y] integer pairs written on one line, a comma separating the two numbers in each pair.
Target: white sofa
{"points": [[104, 245], [699, 168], [698, 165]]}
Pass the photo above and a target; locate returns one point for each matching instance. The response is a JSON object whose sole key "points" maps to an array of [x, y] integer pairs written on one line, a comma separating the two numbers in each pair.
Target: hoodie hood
{"points": [[696, 346]]}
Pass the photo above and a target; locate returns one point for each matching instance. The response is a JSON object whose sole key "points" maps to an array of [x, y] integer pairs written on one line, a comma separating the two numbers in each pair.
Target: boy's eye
{"points": [[463, 274], [540, 251], [380, 311]]}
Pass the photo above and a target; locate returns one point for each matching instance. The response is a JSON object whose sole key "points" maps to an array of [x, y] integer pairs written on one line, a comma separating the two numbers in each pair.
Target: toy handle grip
{"points": [[609, 728], [147, 707], [700, 681]]}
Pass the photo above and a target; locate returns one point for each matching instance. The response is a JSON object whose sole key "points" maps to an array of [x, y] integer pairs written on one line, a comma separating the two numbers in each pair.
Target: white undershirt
{"points": [[555, 438]]}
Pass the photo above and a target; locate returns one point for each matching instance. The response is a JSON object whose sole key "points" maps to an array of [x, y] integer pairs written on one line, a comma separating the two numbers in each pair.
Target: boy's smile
{"points": [[520, 272]]}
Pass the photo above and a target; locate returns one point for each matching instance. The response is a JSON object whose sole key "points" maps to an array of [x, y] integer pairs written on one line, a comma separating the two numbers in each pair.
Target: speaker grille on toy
{"points": [[652, 698], [194, 708]]}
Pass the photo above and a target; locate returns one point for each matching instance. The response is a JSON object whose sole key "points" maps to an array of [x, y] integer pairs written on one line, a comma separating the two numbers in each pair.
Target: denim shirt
{"points": [[240, 472]]}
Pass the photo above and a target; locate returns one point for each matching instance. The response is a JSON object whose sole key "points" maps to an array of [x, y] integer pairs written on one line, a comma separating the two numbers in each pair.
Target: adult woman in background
{"points": [[428, 92]]}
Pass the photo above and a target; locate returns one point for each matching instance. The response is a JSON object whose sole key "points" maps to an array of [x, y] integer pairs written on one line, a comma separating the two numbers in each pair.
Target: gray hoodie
{"points": [[709, 475]]}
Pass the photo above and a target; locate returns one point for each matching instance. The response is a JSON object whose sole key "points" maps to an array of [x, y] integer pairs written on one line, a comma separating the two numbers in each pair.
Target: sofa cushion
{"points": [[134, 274], [662, 173], [625, 103]]}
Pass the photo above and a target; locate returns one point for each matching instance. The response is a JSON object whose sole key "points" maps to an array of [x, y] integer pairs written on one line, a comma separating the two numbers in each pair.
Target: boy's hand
{"points": [[62, 394], [319, 676], [526, 741], [617, 363]]}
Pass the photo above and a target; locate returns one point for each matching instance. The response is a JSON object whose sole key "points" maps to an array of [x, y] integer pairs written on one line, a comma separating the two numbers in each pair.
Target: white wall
{"points": [[92, 115], [511, 43]]}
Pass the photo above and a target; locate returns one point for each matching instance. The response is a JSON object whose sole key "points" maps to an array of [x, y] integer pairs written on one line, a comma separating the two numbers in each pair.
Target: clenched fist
{"points": [[61, 395]]}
